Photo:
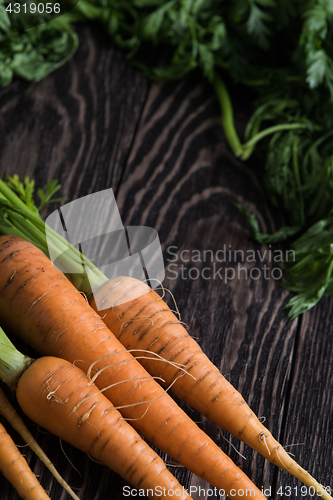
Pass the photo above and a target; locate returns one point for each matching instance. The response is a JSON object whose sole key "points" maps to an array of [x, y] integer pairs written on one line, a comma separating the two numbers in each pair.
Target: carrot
{"points": [[141, 320], [15, 468], [61, 398], [39, 304], [7, 411]]}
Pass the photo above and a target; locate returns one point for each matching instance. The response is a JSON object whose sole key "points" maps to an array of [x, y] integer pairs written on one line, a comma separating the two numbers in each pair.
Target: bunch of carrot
{"points": [[40, 305], [56, 320], [60, 397]]}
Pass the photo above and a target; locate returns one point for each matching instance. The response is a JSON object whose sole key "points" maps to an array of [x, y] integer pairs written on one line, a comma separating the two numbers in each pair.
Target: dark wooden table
{"points": [[97, 123]]}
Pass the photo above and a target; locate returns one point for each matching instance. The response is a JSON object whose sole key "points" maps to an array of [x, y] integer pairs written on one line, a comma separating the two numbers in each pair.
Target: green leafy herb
{"points": [[33, 53], [312, 276]]}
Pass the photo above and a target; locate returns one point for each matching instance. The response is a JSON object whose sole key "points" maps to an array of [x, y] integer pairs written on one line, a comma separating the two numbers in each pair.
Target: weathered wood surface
{"points": [[96, 123]]}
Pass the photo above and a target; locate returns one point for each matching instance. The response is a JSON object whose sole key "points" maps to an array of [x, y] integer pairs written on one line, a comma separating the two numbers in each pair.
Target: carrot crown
{"points": [[12, 362], [20, 217]]}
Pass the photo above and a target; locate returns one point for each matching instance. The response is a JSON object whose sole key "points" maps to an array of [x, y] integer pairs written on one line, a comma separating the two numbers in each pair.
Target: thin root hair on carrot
{"points": [[232, 445], [157, 358], [136, 404], [168, 463], [294, 444], [108, 387], [67, 458], [283, 464], [125, 324], [128, 419], [262, 438], [164, 289], [152, 377], [94, 460]]}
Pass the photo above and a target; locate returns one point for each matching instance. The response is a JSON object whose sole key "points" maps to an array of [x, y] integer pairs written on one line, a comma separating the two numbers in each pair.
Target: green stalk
{"points": [[227, 116], [297, 176], [29, 226], [242, 151], [28, 232], [248, 146], [12, 362], [10, 231], [9, 195]]}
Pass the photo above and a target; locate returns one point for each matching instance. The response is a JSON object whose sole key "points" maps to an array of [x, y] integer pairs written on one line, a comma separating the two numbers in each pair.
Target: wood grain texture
{"points": [[96, 123], [309, 422], [76, 125]]}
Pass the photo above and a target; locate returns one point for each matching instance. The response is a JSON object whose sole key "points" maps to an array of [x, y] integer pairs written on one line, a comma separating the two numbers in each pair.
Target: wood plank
{"points": [[76, 125], [308, 426]]}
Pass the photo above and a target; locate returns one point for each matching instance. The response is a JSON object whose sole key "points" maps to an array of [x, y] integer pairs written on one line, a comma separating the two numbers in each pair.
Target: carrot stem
{"points": [[249, 145], [28, 231], [9, 195], [28, 225], [227, 116], [12, 362]]}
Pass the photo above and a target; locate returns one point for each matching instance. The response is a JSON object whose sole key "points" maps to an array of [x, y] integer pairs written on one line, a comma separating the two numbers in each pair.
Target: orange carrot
{"points": [[15, 468], [61, 398], [39, 304], [9, 413], [141, 320]]}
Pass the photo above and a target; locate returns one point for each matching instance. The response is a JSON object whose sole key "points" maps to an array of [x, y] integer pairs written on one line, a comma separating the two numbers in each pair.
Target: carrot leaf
{"points": [[46, 196]]}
